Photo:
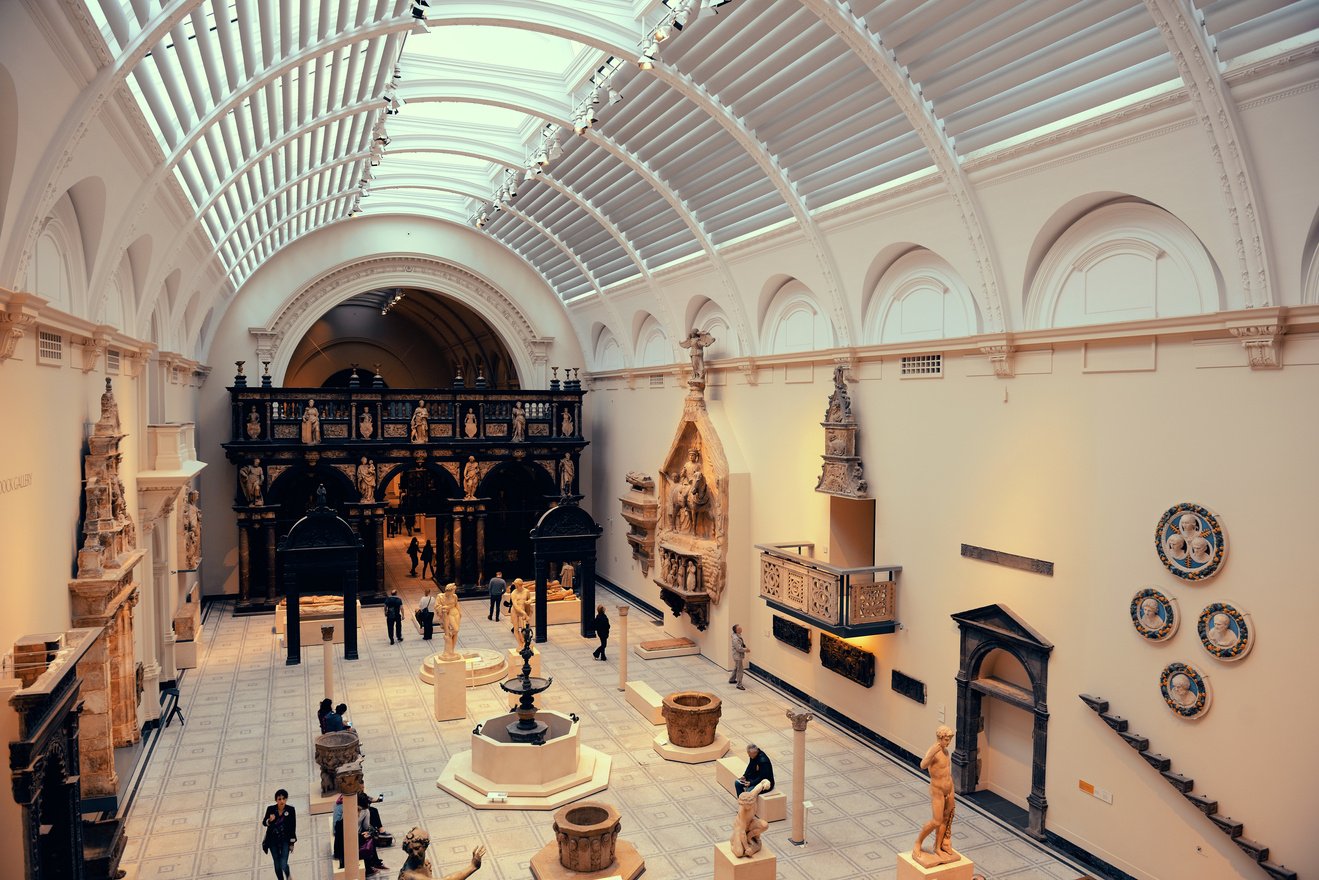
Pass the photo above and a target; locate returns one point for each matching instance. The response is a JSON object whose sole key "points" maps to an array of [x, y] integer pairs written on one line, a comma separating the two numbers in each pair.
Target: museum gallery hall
{"points": [[679, 439]]}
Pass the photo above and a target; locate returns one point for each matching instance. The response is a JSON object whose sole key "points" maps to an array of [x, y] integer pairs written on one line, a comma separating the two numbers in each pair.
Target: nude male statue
{"points": [[942, 803]]}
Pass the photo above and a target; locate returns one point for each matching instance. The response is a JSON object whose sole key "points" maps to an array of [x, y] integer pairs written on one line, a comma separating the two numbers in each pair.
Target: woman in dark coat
{"points": [[601, 630], [326, 707], [414, 549], [281, 832]]}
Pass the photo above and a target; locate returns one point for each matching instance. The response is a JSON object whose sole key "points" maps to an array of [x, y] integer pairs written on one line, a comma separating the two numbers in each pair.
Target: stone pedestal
{"points": [[334, 751], [762, 866], [188, 651], [683, 755], [909, 869], [628, 865], [450, 689]]}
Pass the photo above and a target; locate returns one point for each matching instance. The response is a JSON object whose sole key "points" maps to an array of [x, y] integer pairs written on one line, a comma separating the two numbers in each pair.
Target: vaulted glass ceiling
{"points": [[278, 117]]}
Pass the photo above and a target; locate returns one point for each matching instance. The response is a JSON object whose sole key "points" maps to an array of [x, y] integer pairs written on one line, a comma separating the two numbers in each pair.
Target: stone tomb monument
{"points": [[586, 846]]}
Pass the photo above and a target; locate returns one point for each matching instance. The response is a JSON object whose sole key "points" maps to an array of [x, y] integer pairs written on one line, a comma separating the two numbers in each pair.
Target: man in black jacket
{"points": [[394, 616], [759, 774], [281, 824]]}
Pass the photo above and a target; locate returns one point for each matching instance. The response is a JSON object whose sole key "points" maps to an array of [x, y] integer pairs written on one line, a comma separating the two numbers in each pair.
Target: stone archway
{"points": [[983, 631]]}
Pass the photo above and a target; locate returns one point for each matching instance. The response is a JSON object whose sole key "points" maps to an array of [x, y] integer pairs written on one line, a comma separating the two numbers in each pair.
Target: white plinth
{"points": [[909, 869], [669, 752], [646, 700], [450, 689], [762, 866], [320, 803], [563, 611], [483, 666], [660, 654], [340, 873], [187, 651]]}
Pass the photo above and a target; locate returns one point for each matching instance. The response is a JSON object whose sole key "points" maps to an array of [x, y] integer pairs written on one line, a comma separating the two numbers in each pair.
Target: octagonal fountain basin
{"points": [[692, 718], [497, 758], [333, 750], [483, 666], [587, 833]]}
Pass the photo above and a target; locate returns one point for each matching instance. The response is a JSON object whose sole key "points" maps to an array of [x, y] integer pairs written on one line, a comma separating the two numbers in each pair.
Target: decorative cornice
{"points": [[1000, 356], [94, 346], [1261, 337]]}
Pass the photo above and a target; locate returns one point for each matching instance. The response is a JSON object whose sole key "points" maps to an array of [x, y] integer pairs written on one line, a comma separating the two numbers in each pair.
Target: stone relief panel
{"points": [[1154, 615], [1225, 631]]}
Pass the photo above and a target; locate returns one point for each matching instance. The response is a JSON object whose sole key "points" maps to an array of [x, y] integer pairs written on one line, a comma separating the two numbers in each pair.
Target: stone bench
{"points": [[772, 807], [646, 700]]}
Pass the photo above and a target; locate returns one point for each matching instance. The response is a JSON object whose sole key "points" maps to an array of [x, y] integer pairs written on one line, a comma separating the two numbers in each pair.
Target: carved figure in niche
{"points": [[417, 867], [566, 424], [366, 480], [420, 430], [519, 423], [98, 506], [519, 611], [696, 343], [567, 473], [451, 616], [747, 827], [192, 531], [118, 503], [689, 497], [366, 425], [469, 424], [471, 476], [253, 424], [942, 804], [837, 444], [311, 423], [691, 577], [252, 479]]}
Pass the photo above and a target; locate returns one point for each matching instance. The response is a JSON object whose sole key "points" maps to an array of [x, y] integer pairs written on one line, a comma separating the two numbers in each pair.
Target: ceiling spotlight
{"points": [[647, 59], [542, 159], [555, 151], [398, 72], [614, 96], [661, 34], [528, 174], [581, 123]]}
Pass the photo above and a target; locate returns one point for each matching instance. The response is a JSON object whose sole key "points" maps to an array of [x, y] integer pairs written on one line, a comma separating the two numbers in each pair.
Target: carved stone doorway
{"points": [[983, 631]]}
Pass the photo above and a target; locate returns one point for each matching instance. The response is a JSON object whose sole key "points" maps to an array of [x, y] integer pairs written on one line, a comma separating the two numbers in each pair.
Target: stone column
{"points": [[271, 597], [444, 548], [123, 675], [799, 721], [622, 647], [348, 779], [480, 547], [457, 574], [95, 751], [327, 641], [244, 564], [380, 518]]}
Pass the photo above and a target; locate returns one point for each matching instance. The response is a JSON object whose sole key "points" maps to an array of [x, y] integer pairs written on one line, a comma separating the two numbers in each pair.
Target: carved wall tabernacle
{"points": [[842, 473], [849, 661], [691, 536], [641, 513]]}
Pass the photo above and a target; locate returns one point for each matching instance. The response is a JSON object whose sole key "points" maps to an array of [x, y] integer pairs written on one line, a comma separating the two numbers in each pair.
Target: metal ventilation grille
{"points": [[50, 347], [926, 366], [656, 381], [112, 361]]}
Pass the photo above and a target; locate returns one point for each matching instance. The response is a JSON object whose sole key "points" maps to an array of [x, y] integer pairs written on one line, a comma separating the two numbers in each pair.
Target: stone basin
{"points": [[587, 833], [333, 750], [692, 718]]}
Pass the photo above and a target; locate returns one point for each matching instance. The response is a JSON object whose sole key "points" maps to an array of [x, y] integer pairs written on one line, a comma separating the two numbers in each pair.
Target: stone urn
{"points": [[587, 833], [333, 750], [692, 717]]}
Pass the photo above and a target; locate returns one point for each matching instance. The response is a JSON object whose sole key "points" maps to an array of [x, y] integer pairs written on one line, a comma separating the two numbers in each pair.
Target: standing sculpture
{"points": [[470, 429], [311, 423], [942, 803], [689, 497], [419, 429], [471, 476], [451, 617], [519, 613], [519, 423], [366, 480], [366, 425], [417, 867], [252, 478], [253, 424], [192, 531], [747, 827], [567, 473], [696, 342], [566, 426]]}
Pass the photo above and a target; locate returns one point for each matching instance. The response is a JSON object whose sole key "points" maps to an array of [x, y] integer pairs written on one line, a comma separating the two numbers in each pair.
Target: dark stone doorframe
{"points": [[566, 533], [320, 554], [983, 630]]}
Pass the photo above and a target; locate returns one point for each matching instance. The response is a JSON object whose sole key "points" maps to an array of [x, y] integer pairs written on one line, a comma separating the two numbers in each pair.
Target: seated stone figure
{"points": [[418, 867], [747, 827]]}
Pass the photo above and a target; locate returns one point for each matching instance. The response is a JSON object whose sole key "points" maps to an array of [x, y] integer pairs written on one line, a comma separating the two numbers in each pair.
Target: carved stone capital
{"points": [[19, 314], [622, 610], [848, 363], [800, 719], [1000, 357], [94, 346], [267, 342], [348, 778], [134, 360], [1262, 342]]}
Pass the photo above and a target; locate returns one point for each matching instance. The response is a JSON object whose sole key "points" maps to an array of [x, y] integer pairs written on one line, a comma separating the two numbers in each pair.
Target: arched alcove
{"points": [[608, 354], [708, 316], [58, 270], [920, 297], [88, 199], [794, 321], [1124, 261], [653, 348]]}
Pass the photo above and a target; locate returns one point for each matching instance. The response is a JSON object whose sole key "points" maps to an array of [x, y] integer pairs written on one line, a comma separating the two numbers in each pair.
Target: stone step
{"points": [[1278, 872], [1117, 722], [1136, 741], [1203, 804], [1253, 848], [1179, 782], [1229, 826], [1099, 704], [1158, 762]]}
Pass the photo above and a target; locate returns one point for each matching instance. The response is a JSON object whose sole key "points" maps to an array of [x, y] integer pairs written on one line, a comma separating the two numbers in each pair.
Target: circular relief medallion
{"points": [[1190, 542], [1154, 615], [1225, 632], [1185, 689]]}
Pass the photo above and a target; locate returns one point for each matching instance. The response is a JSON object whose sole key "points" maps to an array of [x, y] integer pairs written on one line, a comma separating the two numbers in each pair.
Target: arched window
{"points": [[795, 322], [920, 297]]}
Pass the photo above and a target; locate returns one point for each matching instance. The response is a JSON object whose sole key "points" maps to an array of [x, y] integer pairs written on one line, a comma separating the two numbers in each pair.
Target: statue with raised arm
{"points": [[942, 804], [519, 612], [696, 342], [417, 867]]}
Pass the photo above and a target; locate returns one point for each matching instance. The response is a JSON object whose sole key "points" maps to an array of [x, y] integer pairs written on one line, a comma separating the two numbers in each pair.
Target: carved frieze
{"points": [[842, 473], [847, 660], [911, 688], [792, 634]]}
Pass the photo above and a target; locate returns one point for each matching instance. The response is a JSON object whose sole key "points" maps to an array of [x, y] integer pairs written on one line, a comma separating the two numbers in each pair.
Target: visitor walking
{"points": [[497, 587], [427, 558], [601, 630], [413, 549], [426, 615], [394, 616], [281, 832], [740, 651]]}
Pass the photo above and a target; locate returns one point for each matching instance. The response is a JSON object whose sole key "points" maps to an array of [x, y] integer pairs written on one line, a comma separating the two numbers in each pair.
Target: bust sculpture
{"points": [[942, 804], [451, 617], [417, 867], [747, 827], [311, 423]]}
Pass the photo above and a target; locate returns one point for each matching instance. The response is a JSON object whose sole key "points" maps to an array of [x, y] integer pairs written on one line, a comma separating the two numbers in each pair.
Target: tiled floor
{"points": [[250, 721]]}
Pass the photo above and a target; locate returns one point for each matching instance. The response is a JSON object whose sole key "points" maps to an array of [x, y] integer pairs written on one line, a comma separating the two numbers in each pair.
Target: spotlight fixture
{"points": [[419, 8], [614, 96], [647, 59], [542, 159], [555, 151], [661, 34]]}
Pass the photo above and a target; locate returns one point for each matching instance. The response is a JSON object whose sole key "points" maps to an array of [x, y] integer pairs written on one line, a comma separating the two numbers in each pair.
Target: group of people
{"points": [[425, 553], [281, 822]]}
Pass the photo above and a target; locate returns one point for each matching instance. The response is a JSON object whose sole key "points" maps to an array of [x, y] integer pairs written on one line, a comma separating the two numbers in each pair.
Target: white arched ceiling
{"points": [[762, 115]]}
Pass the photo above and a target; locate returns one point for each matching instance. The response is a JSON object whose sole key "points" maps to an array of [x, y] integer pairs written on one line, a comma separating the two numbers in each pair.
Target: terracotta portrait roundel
{"points": [[1225, 632], [1185, 689], [1154, 615], [1190, 542]]}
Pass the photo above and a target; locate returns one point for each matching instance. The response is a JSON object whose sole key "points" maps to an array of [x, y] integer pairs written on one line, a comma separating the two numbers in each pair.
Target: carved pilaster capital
{"points": [[134, 360], [94, 346], [800, 719], [539, 349], [327, 633], [622, 610], [848, 363], [1262, 342], [267, 342], [1000, 354], [19, 314], [348, 778]]}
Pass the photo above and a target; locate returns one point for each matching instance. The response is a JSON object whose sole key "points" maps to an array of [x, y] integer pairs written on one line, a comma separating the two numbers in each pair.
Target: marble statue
{"points": [[420, 430], [252, 478], [366, 480], [253, 424], [519, 423], [747, 827], [566, 424], [520, 611], [192, 531], [566, 575], [366, 425], [942, 804], [311, 423], [697, 341], [471, 476], [689, 497], [691, 577], [567, 472], [469, 424], [451, 617], [417, 867]]}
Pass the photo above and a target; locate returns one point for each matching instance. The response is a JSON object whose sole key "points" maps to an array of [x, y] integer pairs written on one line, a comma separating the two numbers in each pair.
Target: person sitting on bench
{"points": [[759, 774]]}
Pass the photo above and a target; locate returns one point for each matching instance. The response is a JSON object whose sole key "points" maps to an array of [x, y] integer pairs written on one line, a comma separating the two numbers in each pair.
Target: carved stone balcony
{"points": [[844, 601]]}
